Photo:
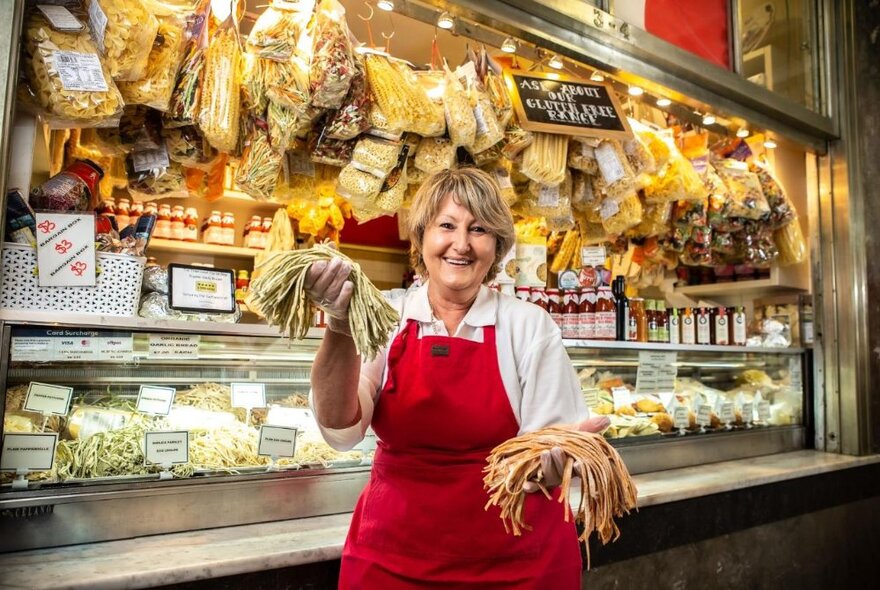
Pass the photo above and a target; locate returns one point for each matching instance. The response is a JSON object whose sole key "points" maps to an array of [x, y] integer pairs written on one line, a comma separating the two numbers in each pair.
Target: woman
{"points": [[466, 369]]}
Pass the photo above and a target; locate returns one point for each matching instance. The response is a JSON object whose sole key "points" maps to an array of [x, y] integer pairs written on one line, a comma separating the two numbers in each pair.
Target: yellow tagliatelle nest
{"points": [[607, 490], [43, 46], [155, 88]]}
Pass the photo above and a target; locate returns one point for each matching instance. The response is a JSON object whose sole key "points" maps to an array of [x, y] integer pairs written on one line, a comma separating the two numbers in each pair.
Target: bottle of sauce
{"points": [[108, 210], [191, 225], [554, 306], [674, 326], [241, 286], [264, 234], [738, 324], [163, 223], [722, 327], [570, 314], [638, 321], [123, 217], [151, 209], [537, 297], [653, 321], [134, 213], [587, 314], [662, 321], [177, 222], [621, 308], [211, 231], [605, 314], [688, 326], [227, 229], [523, 294], [252, 232], [704, 326]]}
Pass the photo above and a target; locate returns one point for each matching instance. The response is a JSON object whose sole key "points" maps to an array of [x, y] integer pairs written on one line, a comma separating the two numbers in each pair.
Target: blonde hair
{"points": [[474, 190]]}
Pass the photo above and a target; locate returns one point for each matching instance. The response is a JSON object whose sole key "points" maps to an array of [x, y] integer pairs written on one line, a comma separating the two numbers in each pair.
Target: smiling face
{"points": [[458, 250]]}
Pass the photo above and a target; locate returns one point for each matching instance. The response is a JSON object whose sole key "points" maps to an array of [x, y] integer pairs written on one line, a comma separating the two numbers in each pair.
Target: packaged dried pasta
{"points": [[276, 31], [544, 161], [583, 198], [500, 171], [582, 155], [283, 123], [655, 221], [332, 152], [489, 130], [355, 184], [187, 147], [253, 85], [550, 201], [719, 205], [690, 214], [461, 125], [332, 66], [495, 87], [658, 143], [183, 108], [621, 213], [677, 181], [516, 139], [66, 79], [151, 176], [155, 88], [390, 197], [782, 210], [639, 157], [745, 199], [259, 166], [219, 116], [435, 154], [353, 117], [616, 175], [375, 155], [287, 83], [140, 127], [380, 125], [789, 240], [422, 114], [127, 37]]}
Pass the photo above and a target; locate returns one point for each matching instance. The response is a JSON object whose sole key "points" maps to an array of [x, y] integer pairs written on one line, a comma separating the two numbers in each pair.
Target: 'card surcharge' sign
{"points": [[555, 103]]}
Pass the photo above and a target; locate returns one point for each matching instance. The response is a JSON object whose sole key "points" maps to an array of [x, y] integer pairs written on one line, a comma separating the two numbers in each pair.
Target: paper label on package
{"points": [[177, 346], [32, 452], [681, 417], [97, 24], [548, 196], [94, 422], [608, 209], [480, 117], [79, 71], [143, 160], [593, 256], [503, 179], [764, 411], [621, 397], [591, 396], [46, 398], [66, 249], [248, 395], [796, 374], [704, 415], [166, 447], [609, 163], [60, 18], [277, 441], [467, 72], [155, 400]]}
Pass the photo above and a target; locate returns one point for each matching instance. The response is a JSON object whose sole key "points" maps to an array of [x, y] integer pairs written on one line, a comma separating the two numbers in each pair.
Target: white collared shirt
{"points": [[538, 376]]}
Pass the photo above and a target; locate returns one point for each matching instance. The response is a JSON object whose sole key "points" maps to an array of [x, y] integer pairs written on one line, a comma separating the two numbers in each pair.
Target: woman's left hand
{"points": [[553, 461]]}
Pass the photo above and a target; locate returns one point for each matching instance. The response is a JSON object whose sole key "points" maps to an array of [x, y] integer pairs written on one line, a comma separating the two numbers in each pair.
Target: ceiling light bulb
{"points": [[663, 102], [445, 21], [509, 45], [708, 119], [636, 91], [742, 132], [597, 77], [555, 62], [770, 144], [386, 5]]}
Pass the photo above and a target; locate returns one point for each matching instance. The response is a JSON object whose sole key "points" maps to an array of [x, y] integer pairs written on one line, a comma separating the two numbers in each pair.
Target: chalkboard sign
{"points": [[555, 103]]}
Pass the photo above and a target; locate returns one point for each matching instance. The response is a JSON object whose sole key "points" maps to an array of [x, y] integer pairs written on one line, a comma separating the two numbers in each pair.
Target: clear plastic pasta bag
{"points": [[435, 154], [461, 125], [68, 84], [790, 243], [746, 198], [187, 147], [375, 155], [259, 166], [183, 108], [219, 116], [154, 89], [127, 38], [151, 176], [277, 30], [353, 117], [620, 214], [332, 66], [782, 210]]}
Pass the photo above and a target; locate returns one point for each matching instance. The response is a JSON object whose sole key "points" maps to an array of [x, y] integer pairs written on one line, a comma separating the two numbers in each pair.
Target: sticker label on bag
{"points": [[143, 160], [548, 196], [609, 163], [60, 18], [97, 24], [79, 71]]}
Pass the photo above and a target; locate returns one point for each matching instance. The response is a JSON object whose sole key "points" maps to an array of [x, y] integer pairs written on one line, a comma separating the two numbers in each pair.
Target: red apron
{"points": [[420, 522]]}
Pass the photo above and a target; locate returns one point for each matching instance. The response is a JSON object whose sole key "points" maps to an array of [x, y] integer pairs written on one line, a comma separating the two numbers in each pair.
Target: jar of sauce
{"points": [[554, 306], [587, 314], [570, 314], [606, 318]]}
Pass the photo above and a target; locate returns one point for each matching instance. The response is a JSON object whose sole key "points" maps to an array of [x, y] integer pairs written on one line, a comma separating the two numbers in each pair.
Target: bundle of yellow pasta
{"points": [[155, 88], [544, 161], [128, 37], [67, 101], [220, 101], [401, 98]]}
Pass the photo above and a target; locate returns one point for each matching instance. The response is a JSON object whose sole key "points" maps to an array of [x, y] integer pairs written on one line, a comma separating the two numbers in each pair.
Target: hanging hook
{"points": [[388, 38], [368, 20]]}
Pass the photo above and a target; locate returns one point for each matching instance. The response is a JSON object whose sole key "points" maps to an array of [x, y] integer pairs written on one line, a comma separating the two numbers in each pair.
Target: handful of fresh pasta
{"points": [[279, 295]]}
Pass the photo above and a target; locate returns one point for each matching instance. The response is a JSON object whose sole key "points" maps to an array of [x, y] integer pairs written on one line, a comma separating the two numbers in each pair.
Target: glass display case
{"points": [[113, 433]]}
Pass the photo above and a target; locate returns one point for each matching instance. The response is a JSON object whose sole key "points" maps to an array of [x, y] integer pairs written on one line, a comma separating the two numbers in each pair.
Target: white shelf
{"points": [[616, 345], [175, 246], [781, 280]]}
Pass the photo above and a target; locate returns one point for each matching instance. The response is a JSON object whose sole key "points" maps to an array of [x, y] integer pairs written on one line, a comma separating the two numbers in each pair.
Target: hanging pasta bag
{"points": [[332, 66], [219, 116]]}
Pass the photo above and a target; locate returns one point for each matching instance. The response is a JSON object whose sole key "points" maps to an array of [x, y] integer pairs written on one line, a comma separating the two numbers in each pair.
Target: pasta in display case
{"points": [[158, 420]]}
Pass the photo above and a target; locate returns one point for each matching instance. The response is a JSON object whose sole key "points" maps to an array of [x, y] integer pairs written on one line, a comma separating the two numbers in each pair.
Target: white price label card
{"points": [[60, 18], [143, 160], [46, 398], [727, 413], [33, 452], [97, 24], [155, 400], [166, 447], [174, 346], [277, 441], [657, 371], [79, 71], [201, 290], [704, 415], [591, 396], [621, 397], [748, 412], [248, 395], [764, 411], [681, 417], [593, 256], [796, 373], [66, 249]]}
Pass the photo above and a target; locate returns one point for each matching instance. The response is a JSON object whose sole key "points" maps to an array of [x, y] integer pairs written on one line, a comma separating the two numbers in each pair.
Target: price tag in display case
{"points": [[704, 415], [764, 411], [727, 414], [166, 447], [591, 396], [621, 397], [277, 441], [174, 346], [155, 400], [46, 398], [28, 452], [681, 418], [248, 395]]}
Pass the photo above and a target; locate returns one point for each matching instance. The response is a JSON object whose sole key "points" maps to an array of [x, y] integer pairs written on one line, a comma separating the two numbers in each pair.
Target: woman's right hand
{"points": [[328, 287]]}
